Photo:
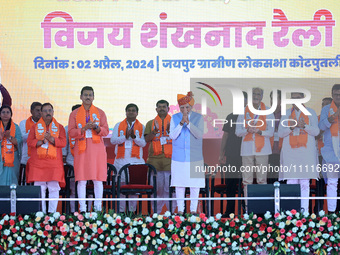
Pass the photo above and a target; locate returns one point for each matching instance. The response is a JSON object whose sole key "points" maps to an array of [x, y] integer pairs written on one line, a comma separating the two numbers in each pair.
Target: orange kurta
{"points": [[91, 164], [46, 169]]}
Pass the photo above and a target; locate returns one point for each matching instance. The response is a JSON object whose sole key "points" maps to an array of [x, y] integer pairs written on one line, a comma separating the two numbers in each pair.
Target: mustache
{"points": [[48, 115]]}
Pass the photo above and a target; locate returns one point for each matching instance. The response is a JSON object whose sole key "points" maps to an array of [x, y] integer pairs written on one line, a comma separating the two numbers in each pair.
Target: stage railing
{"points": [[13, 198]]}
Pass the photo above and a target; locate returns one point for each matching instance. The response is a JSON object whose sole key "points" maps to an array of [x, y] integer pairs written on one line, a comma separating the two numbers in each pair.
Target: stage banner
{"points": [[142, 51]]}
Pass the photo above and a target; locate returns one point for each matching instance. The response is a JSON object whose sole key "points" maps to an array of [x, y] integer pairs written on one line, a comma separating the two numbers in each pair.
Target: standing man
{"points": [[68, 156], [46, 169], [275, 141], [88, 125], [186, 132], [323, 177], [25, 127], [255, 131], [329, 123], [128, 136], [160, 150], [230, 155], [299, 148]]}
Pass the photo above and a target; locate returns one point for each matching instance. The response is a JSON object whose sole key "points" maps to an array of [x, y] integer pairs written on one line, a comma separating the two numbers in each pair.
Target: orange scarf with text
{"points": [[335, 125], [135, 153], [28, 125], [156, 143], [297, 141], [93, 115], [7, 148], [259, 139], [40, 131]]}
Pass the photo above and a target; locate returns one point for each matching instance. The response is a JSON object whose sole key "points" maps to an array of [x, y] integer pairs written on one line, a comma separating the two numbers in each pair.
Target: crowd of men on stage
{"points": [[175, 147]]}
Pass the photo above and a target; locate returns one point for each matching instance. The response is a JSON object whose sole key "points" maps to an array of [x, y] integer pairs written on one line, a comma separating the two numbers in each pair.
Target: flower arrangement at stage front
{"points": [[289, 232]]}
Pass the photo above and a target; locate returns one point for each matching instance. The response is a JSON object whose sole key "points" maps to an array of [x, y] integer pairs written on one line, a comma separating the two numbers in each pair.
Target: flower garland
{"points": [[288, 232]]}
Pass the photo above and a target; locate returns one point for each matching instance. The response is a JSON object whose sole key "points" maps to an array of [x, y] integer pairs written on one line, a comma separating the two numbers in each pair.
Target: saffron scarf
{"points": [[135, 153], [40, 131], [156, 143], [7, 148], [297, 141], [81, 119], [28, 125], [259, 139]]}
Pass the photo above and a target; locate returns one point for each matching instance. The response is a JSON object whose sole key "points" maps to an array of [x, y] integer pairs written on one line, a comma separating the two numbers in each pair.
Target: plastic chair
{"points": [[138, 182], [221, 189]]}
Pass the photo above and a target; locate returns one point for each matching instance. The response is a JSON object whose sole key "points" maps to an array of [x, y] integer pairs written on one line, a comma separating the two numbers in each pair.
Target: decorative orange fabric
{"points": [[297, 141], [40, 131], [135, 153], [29, 124], [259, 139], [7, 148], [186, 99], [156, 143], [335, 125], [94, 116]]}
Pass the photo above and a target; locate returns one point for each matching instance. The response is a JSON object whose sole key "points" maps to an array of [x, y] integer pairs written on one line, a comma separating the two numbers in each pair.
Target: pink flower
{"points": [[269, 229], [293, 211], [276, 215], [324, 219], [289, 217], [62, 229], [48, 227], [62, 217], [321, 229], [202, 215], [80, 217], [299, 223], [282, 230]]}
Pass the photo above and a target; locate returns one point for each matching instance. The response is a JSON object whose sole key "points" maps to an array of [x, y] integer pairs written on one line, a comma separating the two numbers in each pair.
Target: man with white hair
{"points": [[299, 148], [255, 131]]}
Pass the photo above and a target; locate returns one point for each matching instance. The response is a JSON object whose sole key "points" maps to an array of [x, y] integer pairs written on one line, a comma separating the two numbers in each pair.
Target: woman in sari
{"points": [[10, 138]]}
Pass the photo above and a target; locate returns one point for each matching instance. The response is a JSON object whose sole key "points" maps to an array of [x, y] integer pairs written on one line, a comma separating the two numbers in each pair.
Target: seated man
{"points": [[45, 167]]}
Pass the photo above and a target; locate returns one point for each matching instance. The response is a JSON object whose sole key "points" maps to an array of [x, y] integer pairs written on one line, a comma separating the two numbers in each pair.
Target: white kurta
{"points": [[187, 174], [119, 139], [299, 163], [24, 135]]}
